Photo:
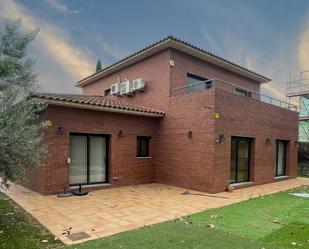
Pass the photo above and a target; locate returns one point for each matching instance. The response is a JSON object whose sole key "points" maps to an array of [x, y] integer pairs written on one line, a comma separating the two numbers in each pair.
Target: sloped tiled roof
{"points": [[173, 42], [108, 103]]}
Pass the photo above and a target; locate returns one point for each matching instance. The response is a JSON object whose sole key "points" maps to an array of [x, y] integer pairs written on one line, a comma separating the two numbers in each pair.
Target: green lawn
{"points": [[18, 230], [276, 221]]}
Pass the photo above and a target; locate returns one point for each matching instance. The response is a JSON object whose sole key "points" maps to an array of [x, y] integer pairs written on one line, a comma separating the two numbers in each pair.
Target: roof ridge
{"points": [[175, 39]]}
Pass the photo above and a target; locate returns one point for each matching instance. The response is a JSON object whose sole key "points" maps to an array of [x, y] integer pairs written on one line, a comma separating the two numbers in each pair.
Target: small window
{"points": [[193, 82], [242, 92], [143, 146], [107, 92]]}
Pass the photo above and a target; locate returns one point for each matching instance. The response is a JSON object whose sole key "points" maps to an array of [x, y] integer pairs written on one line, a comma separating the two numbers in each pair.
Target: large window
{"points": [[280, 163], [88, 159], [194, 85], [143, 146], [240, 159]]}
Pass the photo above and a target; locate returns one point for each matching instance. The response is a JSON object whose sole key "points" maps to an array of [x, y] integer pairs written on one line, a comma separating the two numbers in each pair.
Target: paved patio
{"points": [[109, 211]]}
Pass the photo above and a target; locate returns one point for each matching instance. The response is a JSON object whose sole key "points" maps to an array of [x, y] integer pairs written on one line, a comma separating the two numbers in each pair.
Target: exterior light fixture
{"points": [[120, 134], [220, 139], [60, 130], [268, 141], [189, 134]]}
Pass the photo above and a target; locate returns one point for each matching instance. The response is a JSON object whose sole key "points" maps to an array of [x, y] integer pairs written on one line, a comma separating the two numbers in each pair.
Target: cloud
{"points": [[210, 41], [115, 53], [56, 4], [276, 65], [72, 59], [303, 51]]}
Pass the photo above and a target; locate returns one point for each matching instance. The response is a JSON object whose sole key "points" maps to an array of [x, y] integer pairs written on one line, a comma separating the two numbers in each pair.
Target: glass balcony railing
{"points": [[238, 90]]}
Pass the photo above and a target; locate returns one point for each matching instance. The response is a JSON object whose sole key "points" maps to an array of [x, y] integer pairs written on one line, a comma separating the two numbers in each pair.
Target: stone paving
{"points": [[110, 211]]}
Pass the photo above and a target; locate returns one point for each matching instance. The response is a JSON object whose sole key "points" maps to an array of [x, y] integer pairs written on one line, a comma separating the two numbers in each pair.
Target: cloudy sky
{"points": [[269, 37]]}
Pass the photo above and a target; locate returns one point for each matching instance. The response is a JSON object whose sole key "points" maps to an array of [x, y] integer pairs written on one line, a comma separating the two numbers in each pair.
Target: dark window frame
{"points": [[250, 141], [139, 140], [197, 87], [284, 159], [88, 135], [242, 92]]}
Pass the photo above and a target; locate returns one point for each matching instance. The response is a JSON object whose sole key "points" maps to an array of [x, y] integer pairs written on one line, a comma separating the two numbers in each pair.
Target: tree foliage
{"points": [[98, 66], [20, 132]]}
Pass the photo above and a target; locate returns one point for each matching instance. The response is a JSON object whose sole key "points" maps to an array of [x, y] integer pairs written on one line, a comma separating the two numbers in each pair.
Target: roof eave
{"points": [[99, 108], [183, 47]]}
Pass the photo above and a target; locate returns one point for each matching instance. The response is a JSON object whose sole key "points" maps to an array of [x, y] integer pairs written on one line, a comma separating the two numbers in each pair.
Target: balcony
{"points": [[229, 87]]}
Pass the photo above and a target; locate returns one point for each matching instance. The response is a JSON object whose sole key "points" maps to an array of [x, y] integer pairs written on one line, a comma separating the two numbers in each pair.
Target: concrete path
{"points": [[110, 211]]}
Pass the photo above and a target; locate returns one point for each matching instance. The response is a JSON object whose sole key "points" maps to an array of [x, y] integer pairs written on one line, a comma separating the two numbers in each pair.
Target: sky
{"points": [[268, 37]]}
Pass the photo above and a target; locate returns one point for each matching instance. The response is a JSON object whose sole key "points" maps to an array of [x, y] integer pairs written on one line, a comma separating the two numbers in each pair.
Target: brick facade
{"points": [[197, 161], [123, 163]]}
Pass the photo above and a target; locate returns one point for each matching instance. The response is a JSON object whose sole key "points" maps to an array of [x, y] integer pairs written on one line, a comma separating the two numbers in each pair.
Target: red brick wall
{"points": [[188, 64], [154, 70], [123, 162], [197, 162], [180, 160], [246, 117]]}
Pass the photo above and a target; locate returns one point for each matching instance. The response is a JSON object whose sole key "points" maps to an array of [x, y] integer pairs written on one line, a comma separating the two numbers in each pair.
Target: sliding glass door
{"points": [[240, 160], [88, 155], [280, 163]]}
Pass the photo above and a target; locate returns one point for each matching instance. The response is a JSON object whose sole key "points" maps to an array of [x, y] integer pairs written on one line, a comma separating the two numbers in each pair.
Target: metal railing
{"points": [[297, 87], [230, 87]]}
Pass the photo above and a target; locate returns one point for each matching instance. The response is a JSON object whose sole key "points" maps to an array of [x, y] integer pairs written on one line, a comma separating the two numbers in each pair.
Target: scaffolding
{"points": [[297, 92]]}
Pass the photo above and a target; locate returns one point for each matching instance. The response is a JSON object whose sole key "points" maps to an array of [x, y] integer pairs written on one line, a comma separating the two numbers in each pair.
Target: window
{"points": [[88, 159], [280, 163], [242, 92], [192, 79], [240, 159], [143, 146]]}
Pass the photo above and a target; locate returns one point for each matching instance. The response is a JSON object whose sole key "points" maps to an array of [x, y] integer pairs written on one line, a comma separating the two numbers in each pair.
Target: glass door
{"points": [[88, 155], [78, 165], [97, 159], [280, 164], [240, 160]]}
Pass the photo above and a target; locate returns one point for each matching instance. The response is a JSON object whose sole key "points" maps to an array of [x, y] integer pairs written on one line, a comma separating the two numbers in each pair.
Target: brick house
{"points": [[200, 123]]}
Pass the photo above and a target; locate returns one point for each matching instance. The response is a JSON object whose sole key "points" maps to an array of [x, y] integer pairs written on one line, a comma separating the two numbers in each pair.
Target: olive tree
{"points": [[20, 131]]}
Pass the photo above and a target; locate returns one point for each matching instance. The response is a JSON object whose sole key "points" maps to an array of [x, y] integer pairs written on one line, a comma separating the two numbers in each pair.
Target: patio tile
{"points": [[109, 211]]}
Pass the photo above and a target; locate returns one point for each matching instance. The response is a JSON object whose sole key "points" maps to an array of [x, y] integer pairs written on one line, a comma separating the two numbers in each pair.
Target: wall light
{"points": [[189, 134], [120, 134], [268, 141], [220, 139], [60, 130]]}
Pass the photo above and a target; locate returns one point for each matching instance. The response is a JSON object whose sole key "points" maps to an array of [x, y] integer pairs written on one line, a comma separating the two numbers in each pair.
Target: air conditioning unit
{"points": [[138, 85], [125, 87], [115, 89]]}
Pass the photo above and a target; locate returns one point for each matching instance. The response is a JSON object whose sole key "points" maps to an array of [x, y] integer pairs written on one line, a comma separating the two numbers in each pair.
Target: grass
{"points": [[18, 230], [275, 221]]}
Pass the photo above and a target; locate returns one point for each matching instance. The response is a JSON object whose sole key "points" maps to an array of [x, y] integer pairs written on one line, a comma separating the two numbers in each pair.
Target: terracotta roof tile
{"points": [[114, 102], [181, 42]]}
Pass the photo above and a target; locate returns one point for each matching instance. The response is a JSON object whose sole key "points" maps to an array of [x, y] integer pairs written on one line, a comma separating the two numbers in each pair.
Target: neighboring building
{"points": [[200, 123]]}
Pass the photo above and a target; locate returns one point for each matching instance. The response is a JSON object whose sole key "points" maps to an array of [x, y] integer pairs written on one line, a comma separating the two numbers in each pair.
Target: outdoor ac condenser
{"points": [[125, 87], [138, 85], [115, 89]]}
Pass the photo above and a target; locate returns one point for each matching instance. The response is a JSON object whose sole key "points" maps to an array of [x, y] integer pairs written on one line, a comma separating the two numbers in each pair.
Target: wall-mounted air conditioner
{"points": [[115, 89], [138, 85], [125, 87]]}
